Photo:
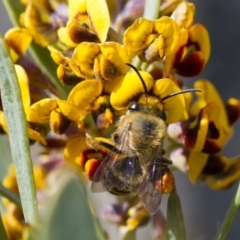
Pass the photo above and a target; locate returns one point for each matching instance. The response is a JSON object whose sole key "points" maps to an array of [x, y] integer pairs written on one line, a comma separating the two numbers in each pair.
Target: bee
{"points": [[136, 163]]}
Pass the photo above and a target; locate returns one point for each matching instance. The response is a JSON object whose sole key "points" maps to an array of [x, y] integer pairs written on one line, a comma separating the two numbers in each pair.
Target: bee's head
{"points": [[139, 107], [143, 108]]}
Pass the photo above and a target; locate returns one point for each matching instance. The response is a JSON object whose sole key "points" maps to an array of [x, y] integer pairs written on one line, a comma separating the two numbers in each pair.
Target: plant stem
{"points": [[234, 207], [151, 9], [3, 234]]}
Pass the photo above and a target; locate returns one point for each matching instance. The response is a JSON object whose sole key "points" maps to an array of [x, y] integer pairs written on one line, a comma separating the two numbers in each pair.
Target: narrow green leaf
{"points": [[175, 221], [234, 207], [4, 192], [3, 234], [40, 55], [18, 137], [151, 9], [68, 214], [5, 156]]}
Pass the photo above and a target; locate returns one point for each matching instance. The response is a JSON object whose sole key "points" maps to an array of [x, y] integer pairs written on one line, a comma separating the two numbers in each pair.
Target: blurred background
{"points": [[203, 208]]}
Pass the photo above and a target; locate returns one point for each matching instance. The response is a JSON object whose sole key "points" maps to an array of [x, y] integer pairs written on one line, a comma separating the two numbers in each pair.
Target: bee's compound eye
{"points": [[134, 107], [162, 115]]}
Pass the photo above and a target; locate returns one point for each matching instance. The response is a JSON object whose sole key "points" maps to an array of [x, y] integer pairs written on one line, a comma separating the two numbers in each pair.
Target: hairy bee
{"points": [[136, 163]]}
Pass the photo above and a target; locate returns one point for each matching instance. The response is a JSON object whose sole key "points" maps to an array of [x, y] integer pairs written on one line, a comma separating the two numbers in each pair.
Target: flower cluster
{"points": [[90, 45], [13, 218]]}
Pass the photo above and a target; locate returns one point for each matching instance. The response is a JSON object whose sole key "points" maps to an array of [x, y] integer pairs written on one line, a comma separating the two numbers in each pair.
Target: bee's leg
{"points": [[110, 147], [92, 143], [166, 161]]}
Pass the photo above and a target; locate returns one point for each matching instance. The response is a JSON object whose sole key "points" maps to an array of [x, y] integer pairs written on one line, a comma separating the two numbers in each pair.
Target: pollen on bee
{"points": [[166, 183]]}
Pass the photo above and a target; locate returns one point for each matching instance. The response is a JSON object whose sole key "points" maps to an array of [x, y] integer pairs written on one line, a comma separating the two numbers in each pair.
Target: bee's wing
{"points": [[103, 179], [97, 184], [147, 192]]}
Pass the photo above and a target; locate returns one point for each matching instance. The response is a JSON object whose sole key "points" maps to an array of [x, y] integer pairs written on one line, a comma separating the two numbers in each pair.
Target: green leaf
{"points": [[68, 214], [18, 137], [5, 156], [175, 221], [3, 234], [40, 55]]}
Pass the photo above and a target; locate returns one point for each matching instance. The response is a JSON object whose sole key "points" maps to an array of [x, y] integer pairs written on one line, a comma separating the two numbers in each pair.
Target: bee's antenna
{"points": [[180, 92], [139, 75]]}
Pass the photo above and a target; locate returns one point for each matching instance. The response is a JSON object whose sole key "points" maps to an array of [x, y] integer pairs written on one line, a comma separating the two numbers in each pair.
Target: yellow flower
{"points": [[195, 53], [43, 18], [88, 21], [221, 172], [152, 40], [184, 14], [24, 88], [13, 222], [67, 71], [85, 98], [101, 61], [18, 40], [58, 113], [90, 98], [208, 129], [13, 218], [83, 157], [183, 48]]}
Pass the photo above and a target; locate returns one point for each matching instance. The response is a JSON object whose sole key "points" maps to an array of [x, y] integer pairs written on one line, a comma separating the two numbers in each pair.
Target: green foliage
{"points": [[175, 221], [68, 215], [17, 127]]}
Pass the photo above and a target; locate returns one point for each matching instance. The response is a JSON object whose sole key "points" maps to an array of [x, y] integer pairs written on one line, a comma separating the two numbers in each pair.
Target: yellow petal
{"points": [[196, 163], [79, 31], [18, 39], [135, 36], [39, 176], [175, 38], [36, 136], [84, 94], [64, 37], [77, 7], [3, 122], [209, 94], [233, 110], [58, 123], [208, 114], [70, 111], [226, 178], [84, 55], [184, 14], [116, 55], [167, 7], [72, 154], [39, 25], [99, 16], [24, 86], [198, 34], [173, 106], [127, 88], [105, 119], [40, 111]]}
